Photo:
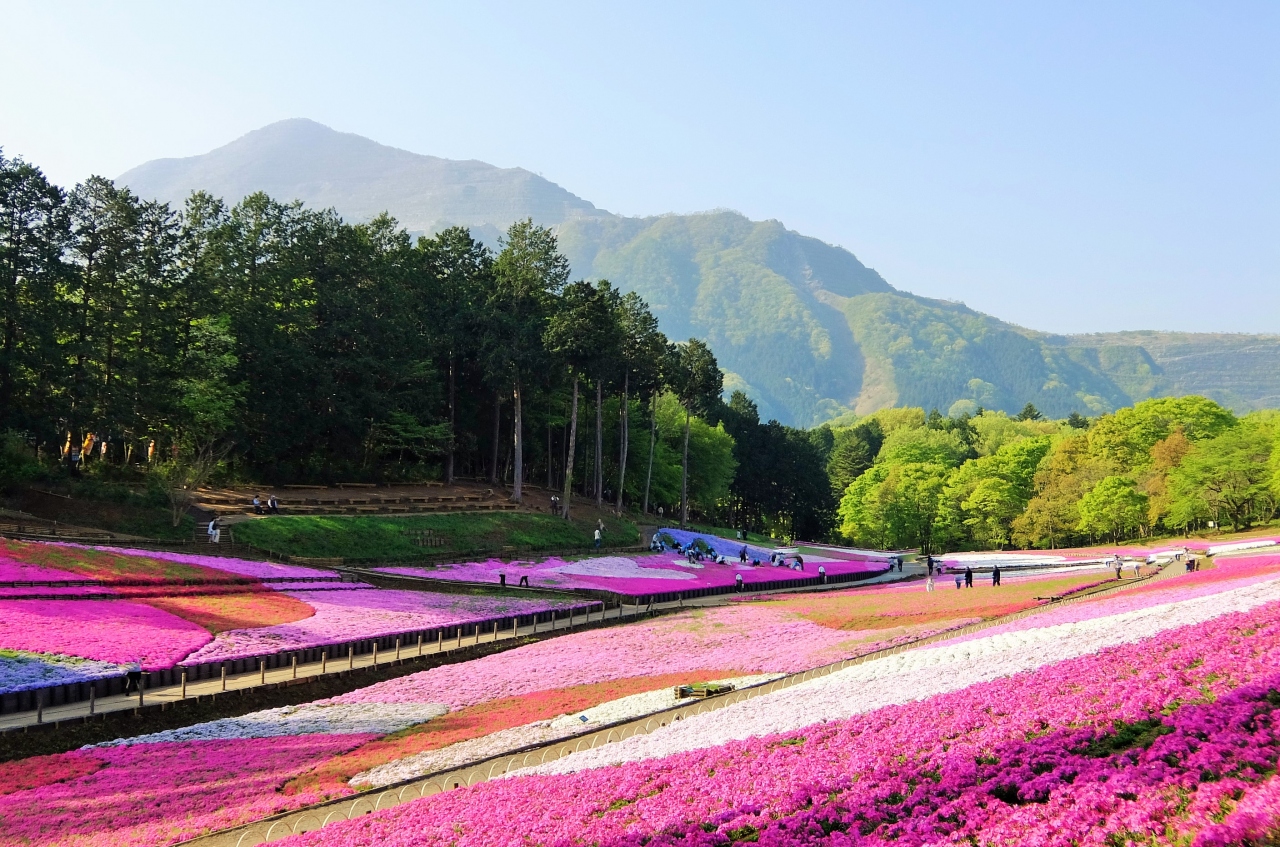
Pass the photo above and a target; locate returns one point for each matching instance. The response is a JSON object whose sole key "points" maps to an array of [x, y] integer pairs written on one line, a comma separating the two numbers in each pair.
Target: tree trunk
{"points": [[517, 441], [453, 426], [497, 437], [549, 483], [573, 445], [684, 472], [599, 466], [623, 436], [653, 439]]}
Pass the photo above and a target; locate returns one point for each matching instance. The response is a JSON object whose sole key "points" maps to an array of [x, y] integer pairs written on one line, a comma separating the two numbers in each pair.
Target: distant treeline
{"points": [[268, 341], [908, 479]]}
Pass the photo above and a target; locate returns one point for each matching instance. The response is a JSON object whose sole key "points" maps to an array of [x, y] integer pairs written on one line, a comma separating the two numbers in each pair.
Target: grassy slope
{"points": [[377, 538]]}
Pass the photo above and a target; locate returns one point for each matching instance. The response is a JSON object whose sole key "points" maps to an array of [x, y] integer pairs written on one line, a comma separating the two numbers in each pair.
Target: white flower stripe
{"points": [[538, 732], [307, 719], [914, 675]]}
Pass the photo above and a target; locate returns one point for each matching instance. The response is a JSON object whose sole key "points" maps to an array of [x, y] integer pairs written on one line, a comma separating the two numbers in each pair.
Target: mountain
{"points": [[803, 326], [302, 160]]}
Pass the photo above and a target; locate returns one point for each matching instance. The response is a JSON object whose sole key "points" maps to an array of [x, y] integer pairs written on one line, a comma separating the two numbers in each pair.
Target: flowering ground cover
{"points": [[631, 575], [1226, 574], [909, 605], [1149, 727], [117, 631], [150, 794], [105, 564], [360, 613], [472, 732], [241, 610], [505, 741], [229, 566], [23, 670]]}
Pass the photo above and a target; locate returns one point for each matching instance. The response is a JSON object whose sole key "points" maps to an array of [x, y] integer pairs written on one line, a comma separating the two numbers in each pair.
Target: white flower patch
{"points": [[538, 732], [914, 675], [307, 719], [648, 702], [616, 567]]}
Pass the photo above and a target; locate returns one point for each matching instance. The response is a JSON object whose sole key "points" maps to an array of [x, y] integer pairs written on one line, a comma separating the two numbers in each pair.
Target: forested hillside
{"points": [[803, 327]]}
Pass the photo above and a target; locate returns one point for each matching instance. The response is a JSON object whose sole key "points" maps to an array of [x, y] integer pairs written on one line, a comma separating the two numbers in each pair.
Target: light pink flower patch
{"points": [[362, 613], [745, 638], [154, 794]]}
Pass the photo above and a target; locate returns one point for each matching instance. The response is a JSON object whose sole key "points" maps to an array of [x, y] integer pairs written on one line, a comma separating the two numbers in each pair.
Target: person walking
{"points": [[742, 554], [995, 575], [822, 574], [133, 677], [598, 539], [968, 577], [1119, 565], [257, 504], [273, 505], [738, 580], [215, 531], [928, 582], [959, 581]]}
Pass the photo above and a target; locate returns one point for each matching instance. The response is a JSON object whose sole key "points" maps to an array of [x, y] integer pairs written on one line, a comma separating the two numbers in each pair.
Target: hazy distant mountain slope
{"points": [[804, 326], [1240, 371], [943, 355], [303, 160]]}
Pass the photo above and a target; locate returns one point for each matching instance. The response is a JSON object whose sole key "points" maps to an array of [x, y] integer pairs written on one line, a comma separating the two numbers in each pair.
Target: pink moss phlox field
{"points": [[1254, 820], [155, 794], [234, 567], [745, 638], [631, 575], [1129, 744], [12, 570], [108, 630], [360, 613], [1227, 575]]}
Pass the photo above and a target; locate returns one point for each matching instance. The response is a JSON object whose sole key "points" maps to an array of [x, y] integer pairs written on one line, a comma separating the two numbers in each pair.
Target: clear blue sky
{"points": [[1066, 166]]}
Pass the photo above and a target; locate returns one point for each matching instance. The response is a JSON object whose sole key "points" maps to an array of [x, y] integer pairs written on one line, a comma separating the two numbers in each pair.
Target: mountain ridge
{"points": [[809, 330]]}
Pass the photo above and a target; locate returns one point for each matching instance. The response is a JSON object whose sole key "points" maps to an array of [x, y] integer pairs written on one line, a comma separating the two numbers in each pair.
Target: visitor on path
{"points": [[959, 581], [257, 504], [928, 582], [1119, 565], [822, 574], [133, 677], [598, 539], [273, 505], [928, 563], [215, 531], [742, 554], [968, 577], [659, 513], [738, 580], [995, 576]]}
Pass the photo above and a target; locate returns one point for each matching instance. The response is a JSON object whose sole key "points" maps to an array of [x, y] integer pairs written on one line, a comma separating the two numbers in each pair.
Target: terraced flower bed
{"points": [[1159, 725], [458, 713]]}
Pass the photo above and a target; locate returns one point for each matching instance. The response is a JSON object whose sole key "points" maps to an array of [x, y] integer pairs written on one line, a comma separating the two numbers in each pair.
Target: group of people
{"points": [[779, 560], [963, 579], [272, 505]]}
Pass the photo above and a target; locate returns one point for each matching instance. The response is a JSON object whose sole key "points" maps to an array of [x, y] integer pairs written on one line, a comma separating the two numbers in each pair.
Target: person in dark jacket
{"points": [[968, 577]]}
